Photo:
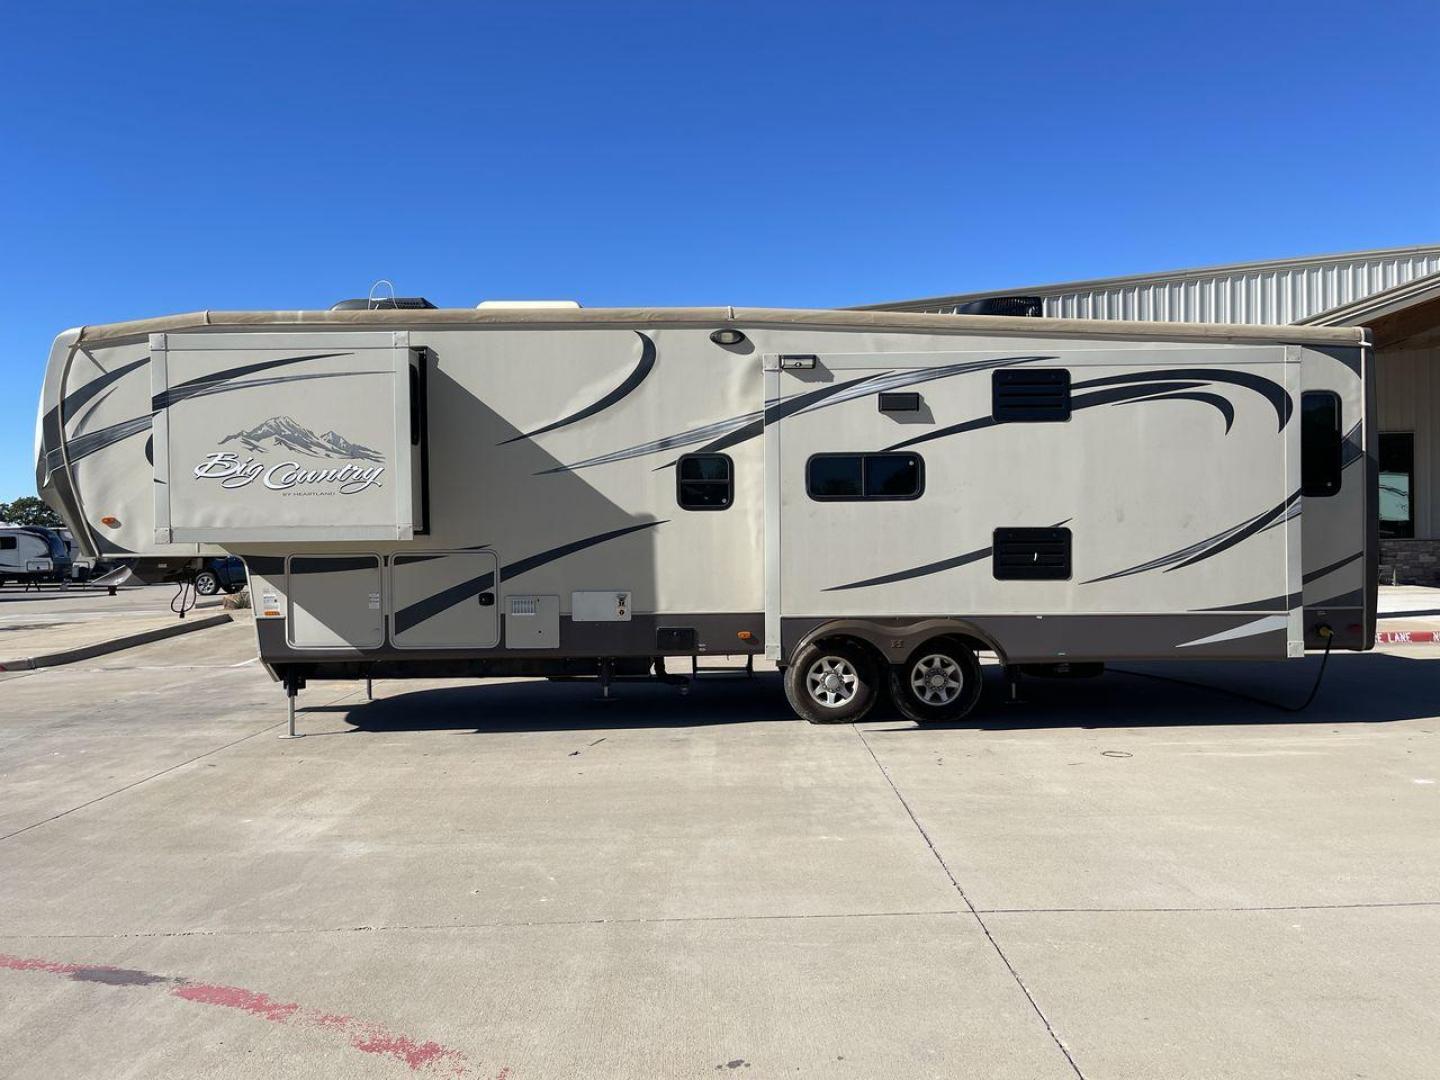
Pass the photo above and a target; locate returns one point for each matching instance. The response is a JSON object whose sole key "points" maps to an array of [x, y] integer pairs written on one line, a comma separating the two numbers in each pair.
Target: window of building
{"points": [[1397, 482], [1321, 443], [837, 477], [1030, 395], [705, 482]]}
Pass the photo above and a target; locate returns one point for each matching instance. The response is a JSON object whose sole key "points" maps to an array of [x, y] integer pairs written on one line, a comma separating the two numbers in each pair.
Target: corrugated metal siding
{"points": [[1408, 392], [1271, 294]]}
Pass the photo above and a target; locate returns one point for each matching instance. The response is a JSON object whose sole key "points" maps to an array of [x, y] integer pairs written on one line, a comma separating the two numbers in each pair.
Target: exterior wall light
{"points": [[727, 337]]}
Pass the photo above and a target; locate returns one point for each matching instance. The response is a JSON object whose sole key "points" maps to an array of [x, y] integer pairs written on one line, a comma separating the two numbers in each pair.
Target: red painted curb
{"points": [[1407, 637]]}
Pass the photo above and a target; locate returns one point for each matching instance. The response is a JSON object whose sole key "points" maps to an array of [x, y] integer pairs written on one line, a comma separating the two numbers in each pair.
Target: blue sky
{"points": [[162, 158]]}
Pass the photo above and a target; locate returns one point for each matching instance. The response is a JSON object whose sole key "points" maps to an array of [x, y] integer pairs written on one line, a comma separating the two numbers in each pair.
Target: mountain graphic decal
{"points": [[286, 433]]}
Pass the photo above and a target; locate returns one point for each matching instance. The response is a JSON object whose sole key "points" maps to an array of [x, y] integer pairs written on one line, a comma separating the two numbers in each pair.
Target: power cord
{"points": [[1324, 631], [185, 597]]}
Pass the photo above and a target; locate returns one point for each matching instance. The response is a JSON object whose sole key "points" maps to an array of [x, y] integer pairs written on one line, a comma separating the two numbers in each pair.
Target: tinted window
{"points": [[865, 476], [705, 482], [1321, 443], [835, 476], [7, 543], [892, 476]]}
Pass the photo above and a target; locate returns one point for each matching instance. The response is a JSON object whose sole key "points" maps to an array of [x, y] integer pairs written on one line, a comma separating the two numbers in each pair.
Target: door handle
{"points": [[487, 599]]}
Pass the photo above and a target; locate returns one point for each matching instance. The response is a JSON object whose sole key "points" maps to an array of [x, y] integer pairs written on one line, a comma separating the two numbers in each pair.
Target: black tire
{"points": [[832, 683], [939, 682], [206, 583]]}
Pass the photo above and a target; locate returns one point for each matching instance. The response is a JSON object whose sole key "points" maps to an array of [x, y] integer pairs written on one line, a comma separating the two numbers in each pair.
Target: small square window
{"points": [[7, 543], [705, 482]]}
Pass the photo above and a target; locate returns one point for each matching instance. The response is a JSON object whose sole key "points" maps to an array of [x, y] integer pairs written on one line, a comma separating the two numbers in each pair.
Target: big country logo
{"points": [[284, 433]]}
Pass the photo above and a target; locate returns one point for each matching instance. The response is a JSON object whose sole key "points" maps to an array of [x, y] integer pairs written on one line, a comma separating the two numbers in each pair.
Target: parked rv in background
{"points": [[33, 555], [870, 499]]}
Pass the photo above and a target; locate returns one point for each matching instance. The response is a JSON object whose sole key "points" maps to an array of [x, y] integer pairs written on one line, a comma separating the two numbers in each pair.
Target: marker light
{"points": [[744, 635], [110, 521]]}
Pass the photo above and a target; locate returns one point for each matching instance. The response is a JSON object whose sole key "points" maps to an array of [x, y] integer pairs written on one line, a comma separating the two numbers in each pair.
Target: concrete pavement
{"points": [[1118, 878], [53, 626]]}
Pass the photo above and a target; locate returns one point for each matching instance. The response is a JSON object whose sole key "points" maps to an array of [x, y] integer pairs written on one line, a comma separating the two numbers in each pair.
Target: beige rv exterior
{"points": [[511, 491]]}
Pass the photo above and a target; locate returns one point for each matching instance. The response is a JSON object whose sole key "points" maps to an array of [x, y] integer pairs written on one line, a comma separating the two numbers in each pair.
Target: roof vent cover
{"points": [[1030, 306], [385, 303]]}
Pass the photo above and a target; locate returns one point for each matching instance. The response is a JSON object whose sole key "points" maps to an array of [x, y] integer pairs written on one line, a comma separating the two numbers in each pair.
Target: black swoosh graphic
{"points": [[408, 617], [1316, 575], [633, 380], [206, 383], [82, 446], [1227, 410], [75, 401], [1354, 447], [917, 571], [1244, 534], [1113, 396], [775, 413], [1203, 549], [1272, 391], [332, 564], [737, 429], [1275, 603], [926, 569]]}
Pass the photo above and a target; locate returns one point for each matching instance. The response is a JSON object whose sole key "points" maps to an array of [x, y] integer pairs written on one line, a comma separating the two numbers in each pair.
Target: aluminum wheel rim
{"points": [[832, 682], [936, 680]]}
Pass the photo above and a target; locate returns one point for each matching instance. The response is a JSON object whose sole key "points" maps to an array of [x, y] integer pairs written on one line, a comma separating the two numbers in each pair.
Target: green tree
{"points": [[28, 510]]}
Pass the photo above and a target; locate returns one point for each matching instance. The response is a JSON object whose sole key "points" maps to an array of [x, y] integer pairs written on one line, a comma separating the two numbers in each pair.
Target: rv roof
{"points": [[441, 318]]}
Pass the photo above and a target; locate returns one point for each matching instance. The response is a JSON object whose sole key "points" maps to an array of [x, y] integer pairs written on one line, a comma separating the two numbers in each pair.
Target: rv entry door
{"points": [[444, 600]]}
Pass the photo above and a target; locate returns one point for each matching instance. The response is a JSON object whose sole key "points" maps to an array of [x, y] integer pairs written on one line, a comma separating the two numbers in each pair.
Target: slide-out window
{"points": [[1030, 395], [1321, 443], [850, 477], [705, 482]]}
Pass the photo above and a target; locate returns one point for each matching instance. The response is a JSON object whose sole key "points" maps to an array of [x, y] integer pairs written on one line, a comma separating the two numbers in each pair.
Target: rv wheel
{"points": [[941, 681], [831, 683]]}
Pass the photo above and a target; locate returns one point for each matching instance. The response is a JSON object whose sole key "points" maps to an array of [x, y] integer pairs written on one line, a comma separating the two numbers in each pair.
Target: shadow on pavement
{"points": [[1363, 688], [569, 706], [1368, 688]]}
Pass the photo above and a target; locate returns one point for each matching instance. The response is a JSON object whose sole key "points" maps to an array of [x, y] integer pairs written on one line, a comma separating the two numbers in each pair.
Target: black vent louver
{"points": [[385, 303], [1025, 306], [1032, 554], [1030, 395]]}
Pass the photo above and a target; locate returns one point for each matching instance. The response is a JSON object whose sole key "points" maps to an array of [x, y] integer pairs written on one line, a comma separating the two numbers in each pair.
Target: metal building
{"points": [[1394, 292]]}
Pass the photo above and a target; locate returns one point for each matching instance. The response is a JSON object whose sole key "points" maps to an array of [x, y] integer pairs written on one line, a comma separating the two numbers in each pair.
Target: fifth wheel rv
{"points": [[870, 499]]}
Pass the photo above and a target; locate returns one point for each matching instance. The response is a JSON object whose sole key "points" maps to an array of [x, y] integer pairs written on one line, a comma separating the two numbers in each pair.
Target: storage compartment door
{"points": [[335, 602], [286, 437], [444, 600]]}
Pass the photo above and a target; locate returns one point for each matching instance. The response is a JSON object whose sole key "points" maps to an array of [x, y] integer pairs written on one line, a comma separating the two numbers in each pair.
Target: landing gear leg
{"points": [[293, 683], [1012, 683], [607, 672], [369, 689]]}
